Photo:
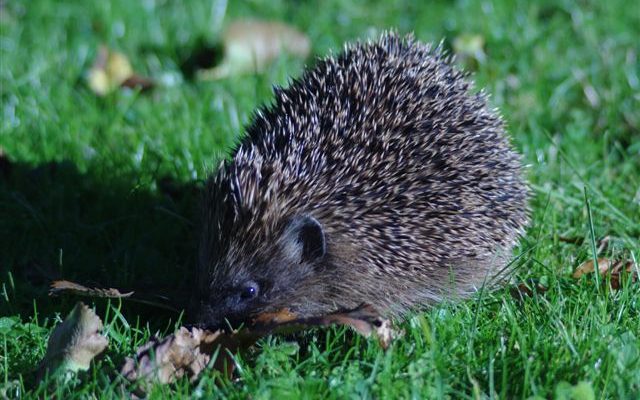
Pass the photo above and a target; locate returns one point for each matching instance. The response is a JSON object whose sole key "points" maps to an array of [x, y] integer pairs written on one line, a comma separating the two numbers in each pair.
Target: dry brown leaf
{"points": [[112, 70], [175, 304], [251, 45], [587, 267], [284, 315], [64, 287], [365, 320], [616, 268], [74, 343], [188, 352]]}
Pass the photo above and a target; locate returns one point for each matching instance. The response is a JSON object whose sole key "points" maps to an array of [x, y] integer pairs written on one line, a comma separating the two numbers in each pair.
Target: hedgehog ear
{"points": [[307, 237]]}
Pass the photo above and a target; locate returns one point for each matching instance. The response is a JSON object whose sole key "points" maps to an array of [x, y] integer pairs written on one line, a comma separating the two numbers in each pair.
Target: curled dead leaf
{"points": [[186, 353], [60, 287], [251, 45], [615, 268], [64, 287], [365, 320], [74, 343], [587, 267]]}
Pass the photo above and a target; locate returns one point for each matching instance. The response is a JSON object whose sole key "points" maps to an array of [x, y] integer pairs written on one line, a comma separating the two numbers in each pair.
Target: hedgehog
{"points": [[380, 177]]}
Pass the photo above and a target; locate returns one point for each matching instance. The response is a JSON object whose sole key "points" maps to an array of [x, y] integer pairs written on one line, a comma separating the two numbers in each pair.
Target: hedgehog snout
{"points": [[233, 305]]}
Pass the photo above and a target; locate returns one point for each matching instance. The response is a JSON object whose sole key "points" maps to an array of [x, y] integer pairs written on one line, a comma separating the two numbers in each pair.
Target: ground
{"points": [[104, 190]]}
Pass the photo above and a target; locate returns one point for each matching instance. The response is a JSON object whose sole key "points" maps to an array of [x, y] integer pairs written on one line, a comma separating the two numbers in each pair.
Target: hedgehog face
{"points": [[270, 280]]}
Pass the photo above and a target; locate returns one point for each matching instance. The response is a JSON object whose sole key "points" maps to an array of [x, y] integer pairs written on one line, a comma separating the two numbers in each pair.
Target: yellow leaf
{"points": [[112, 70]]}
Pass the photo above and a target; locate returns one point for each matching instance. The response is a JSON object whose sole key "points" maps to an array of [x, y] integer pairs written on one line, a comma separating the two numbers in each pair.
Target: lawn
{"points": [[104, 190]]}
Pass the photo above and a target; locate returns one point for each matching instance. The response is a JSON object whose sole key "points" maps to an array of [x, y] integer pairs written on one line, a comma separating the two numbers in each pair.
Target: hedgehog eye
{"points": [[249, 291]]}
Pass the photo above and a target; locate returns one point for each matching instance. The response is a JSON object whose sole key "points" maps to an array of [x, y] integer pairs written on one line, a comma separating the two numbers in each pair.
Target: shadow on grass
{"points": [[59, 223]]}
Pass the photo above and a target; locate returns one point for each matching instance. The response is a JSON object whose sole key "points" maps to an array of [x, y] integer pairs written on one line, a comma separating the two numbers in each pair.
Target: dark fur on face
{"points": [[380, 176]]}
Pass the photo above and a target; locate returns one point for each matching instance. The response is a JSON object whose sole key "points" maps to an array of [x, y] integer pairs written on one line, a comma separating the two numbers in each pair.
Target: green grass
{"points": [[83, 199]]}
